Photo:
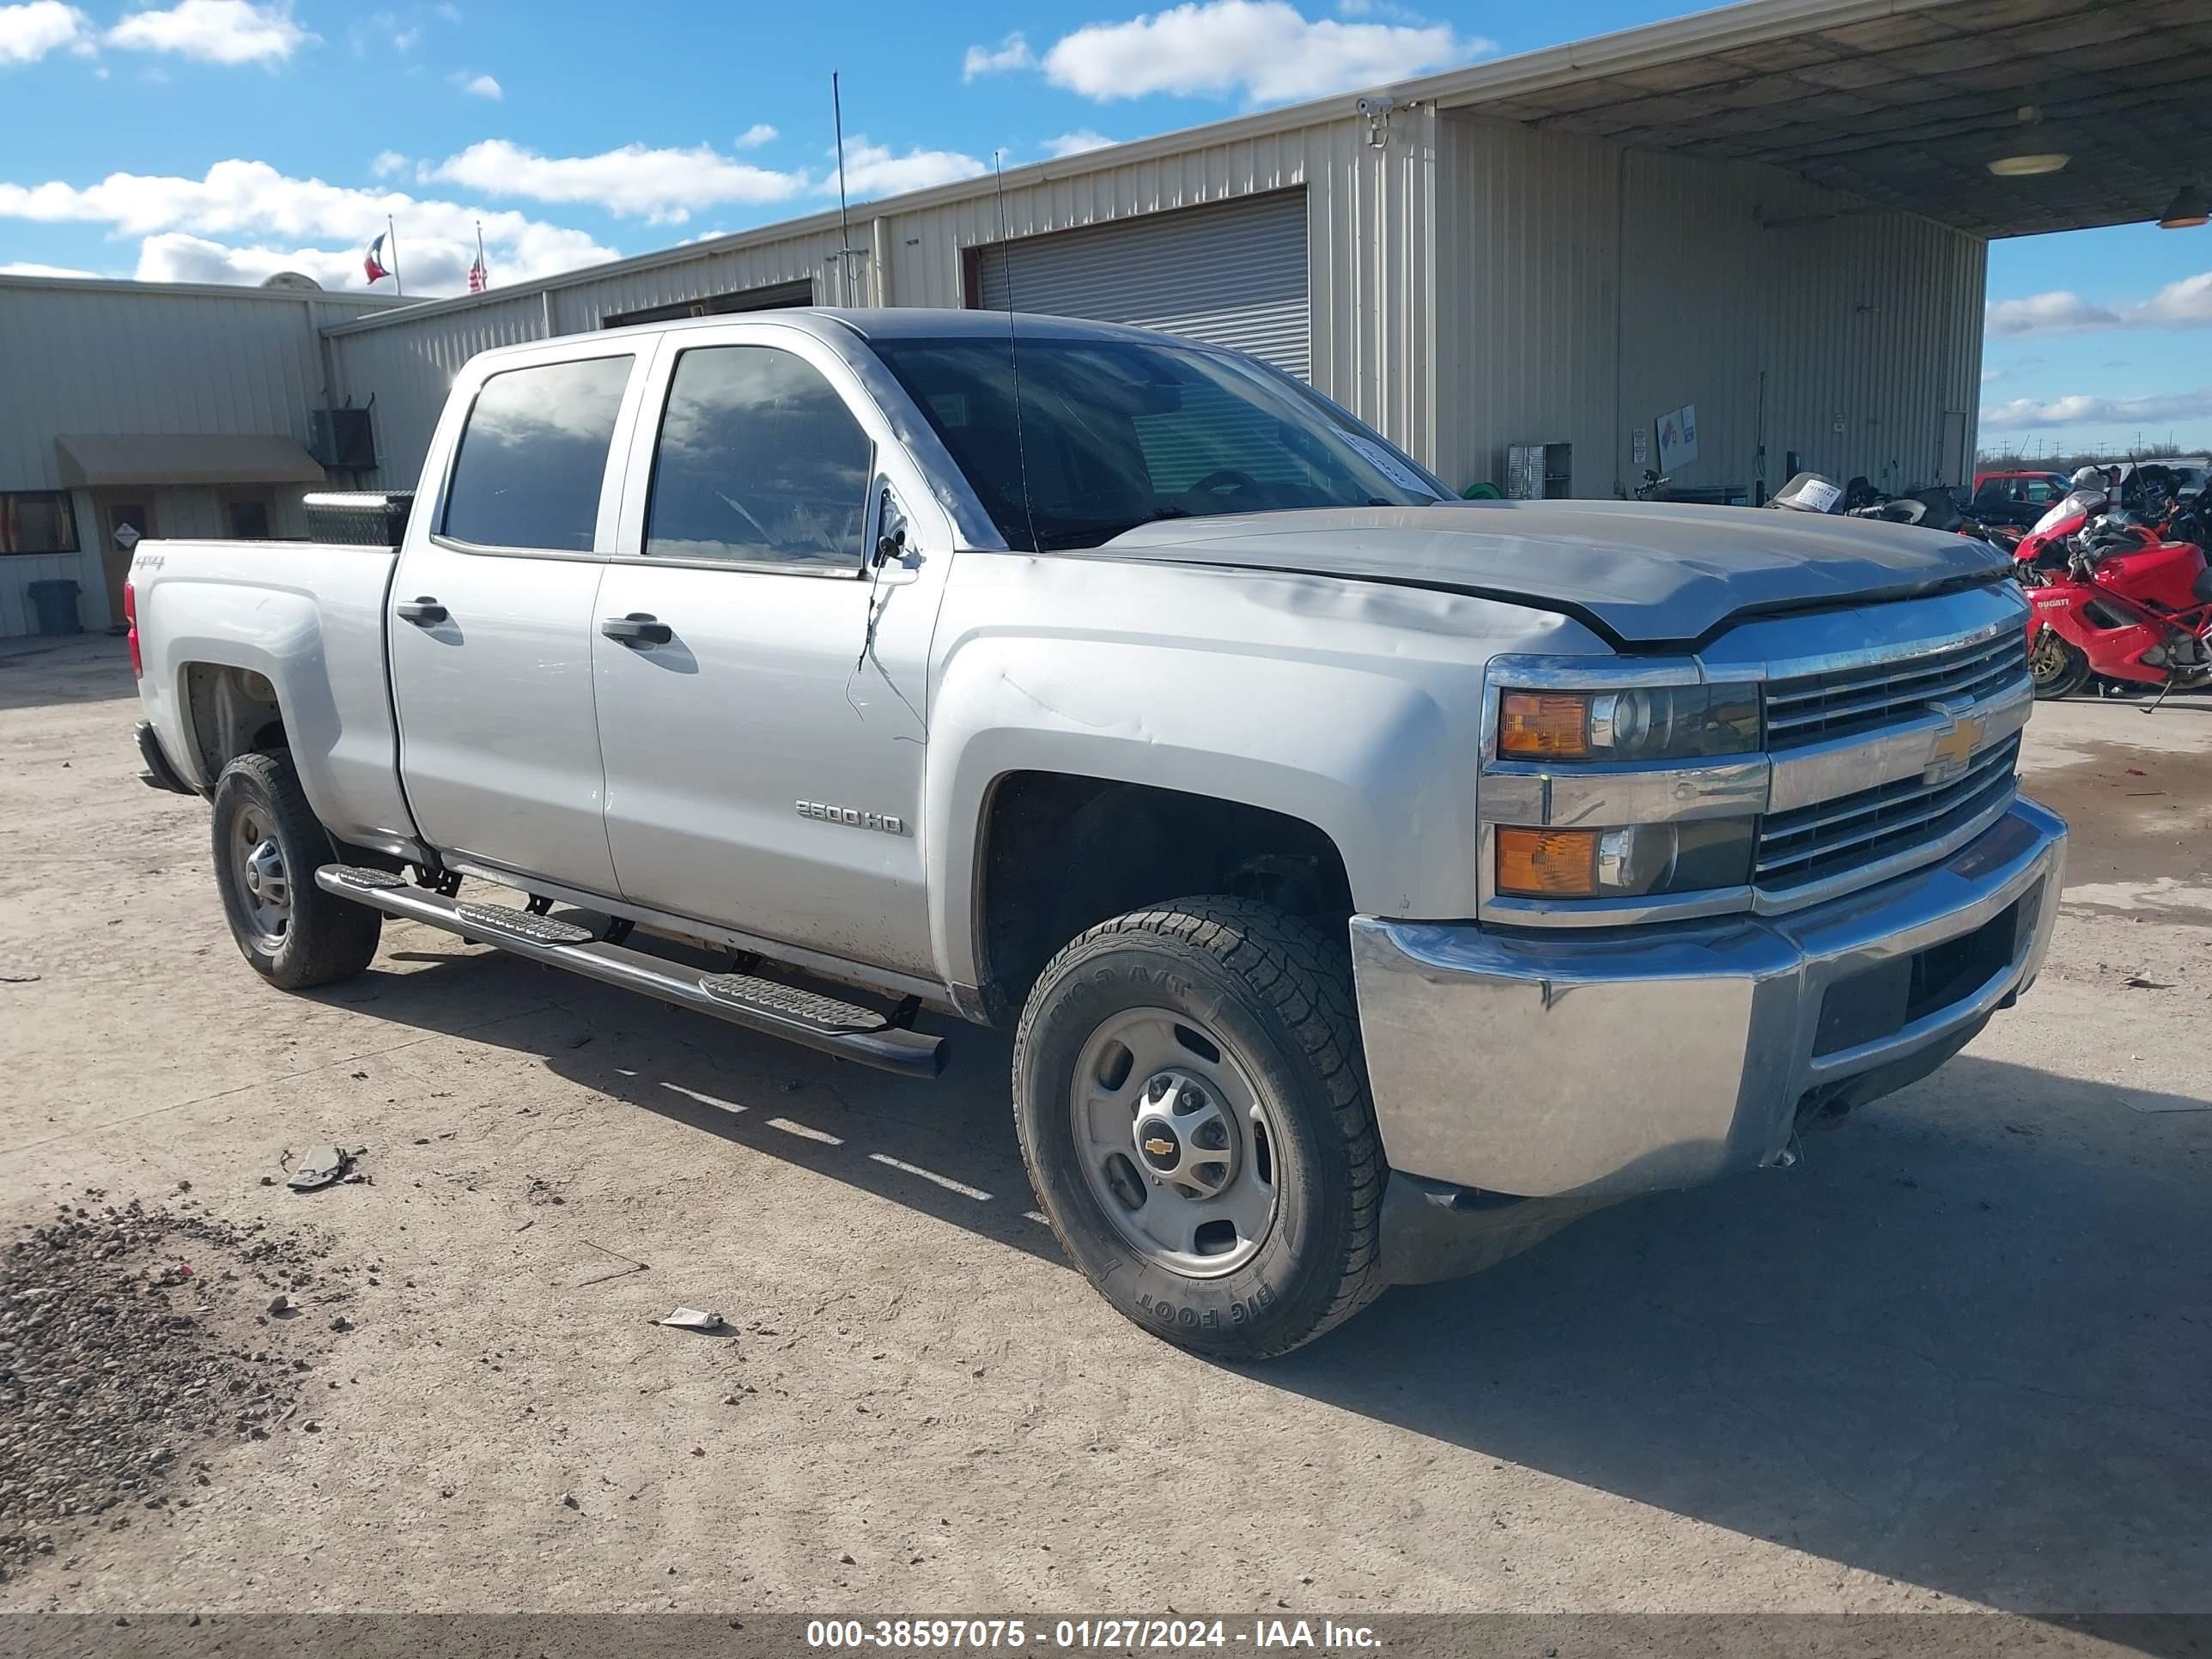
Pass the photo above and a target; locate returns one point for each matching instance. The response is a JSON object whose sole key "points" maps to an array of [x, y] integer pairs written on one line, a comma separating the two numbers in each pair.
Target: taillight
{"points": [[131, 616]]}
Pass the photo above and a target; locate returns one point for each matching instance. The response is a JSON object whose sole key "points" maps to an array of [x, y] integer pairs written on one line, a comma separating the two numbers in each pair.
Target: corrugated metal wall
{"points": [[99, 359], [1233, 275], [1588, 289], [1369, 210]]}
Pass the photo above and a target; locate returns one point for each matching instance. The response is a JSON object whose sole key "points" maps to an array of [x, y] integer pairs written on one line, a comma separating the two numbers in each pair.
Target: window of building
{"points": [[38, 521], [249, 520], [534, 454], [759, 461]]}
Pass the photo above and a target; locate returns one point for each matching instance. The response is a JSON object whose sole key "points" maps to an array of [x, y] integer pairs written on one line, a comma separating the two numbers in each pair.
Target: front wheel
{"points": [[1192, 1107], [2058, 667], [268, 846]]}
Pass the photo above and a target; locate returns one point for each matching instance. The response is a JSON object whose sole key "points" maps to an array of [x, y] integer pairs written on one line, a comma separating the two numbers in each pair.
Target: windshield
{"points": [[1116, 434], [2079, 502]]}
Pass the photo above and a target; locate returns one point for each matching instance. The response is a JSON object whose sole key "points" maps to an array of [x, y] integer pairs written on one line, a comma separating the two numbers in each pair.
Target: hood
{"points": [[1643, 574]]}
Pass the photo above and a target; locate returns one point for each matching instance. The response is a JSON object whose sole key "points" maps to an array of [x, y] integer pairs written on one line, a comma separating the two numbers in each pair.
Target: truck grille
{"points": [[1852, 832], [1818, 706]]}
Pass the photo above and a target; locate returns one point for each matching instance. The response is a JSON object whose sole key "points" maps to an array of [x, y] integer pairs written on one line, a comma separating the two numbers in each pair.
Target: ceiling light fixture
{"points": [[2026, 161], [2185, 211]]}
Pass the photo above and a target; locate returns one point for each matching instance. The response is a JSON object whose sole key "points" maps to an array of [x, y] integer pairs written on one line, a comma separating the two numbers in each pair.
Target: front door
{"points": [[123, 526], [491, 624], [764, 742]]}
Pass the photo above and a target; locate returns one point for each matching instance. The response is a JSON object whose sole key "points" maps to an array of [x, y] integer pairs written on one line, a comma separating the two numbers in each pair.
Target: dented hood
{"points": [[1646, 573]]}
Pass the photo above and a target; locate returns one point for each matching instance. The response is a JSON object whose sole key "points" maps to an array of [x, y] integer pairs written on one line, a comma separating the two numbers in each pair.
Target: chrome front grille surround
{"points": [[1816, 708], [1832, 837]]}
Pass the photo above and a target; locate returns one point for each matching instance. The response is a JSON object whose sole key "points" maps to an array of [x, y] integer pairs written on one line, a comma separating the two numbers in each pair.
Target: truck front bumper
{"points": [[1540, 1065]]}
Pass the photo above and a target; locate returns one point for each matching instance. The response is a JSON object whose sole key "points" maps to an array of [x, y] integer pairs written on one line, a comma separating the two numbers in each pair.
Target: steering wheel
{"points": [[1226, 478]]}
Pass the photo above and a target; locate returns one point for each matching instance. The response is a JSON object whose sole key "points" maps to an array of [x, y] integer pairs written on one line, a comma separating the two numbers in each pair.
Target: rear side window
{"points": [[534, 454], [759, 462]]}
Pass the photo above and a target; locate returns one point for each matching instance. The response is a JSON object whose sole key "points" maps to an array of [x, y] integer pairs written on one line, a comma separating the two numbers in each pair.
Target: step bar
{"points": [[809, 1018]]}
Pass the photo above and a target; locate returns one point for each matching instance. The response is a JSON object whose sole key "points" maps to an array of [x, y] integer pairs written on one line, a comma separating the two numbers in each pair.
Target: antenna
{"points": [[1013, 354], [845, 248]]}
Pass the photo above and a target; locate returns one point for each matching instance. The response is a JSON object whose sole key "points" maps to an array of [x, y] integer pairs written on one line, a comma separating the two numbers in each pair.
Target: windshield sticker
{"points": [[1819, 495], [1390, 465]]}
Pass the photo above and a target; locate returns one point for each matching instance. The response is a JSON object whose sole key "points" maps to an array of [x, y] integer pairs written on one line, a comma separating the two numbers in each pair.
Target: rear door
{"points": [[761, 692], [493, 614]]}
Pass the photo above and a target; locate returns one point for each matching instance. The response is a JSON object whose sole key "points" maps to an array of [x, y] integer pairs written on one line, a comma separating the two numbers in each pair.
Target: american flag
{"points": [[479, 273]]}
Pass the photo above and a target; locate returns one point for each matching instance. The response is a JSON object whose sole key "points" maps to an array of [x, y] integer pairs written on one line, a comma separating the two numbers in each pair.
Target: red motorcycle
{"points": [[2116, 598]]}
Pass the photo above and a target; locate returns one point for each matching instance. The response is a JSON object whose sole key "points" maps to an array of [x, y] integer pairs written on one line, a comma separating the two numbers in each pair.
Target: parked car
{"points": [[1372, 882], [2017, 499]]}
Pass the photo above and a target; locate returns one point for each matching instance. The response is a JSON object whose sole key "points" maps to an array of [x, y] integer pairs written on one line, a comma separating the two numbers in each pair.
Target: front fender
{"points": [[1368, 757]]}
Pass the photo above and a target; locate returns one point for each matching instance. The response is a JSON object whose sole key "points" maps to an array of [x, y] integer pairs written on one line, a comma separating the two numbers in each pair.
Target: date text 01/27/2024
{"points": [[1079, 1635]]}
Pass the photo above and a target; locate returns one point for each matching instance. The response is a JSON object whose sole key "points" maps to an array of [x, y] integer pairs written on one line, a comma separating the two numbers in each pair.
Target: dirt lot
{"points": [[1958, 1355]]}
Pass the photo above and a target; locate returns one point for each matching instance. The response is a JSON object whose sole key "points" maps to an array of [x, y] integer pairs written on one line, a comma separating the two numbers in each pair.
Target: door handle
{"points": [[424, 612], [639, 627]]}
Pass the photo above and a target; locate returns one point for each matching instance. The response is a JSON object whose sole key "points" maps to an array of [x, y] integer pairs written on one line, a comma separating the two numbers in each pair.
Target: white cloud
{"points": [[874, 170], [2024, 412], [1012, 53], [28, 32], [661, 185], [26, 268], [479, 86], [387, 163], [1264, 49], [278, 217], [757, 135], [2183, 304], [216, 31], [1991, 374], [1074, 143]]}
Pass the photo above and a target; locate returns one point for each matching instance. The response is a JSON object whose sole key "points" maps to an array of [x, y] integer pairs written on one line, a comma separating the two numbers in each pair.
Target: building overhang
{"points": [[138, 460]]}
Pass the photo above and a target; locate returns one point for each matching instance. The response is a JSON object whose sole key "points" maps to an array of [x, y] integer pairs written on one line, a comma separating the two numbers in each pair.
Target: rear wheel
{"points": [[1192, 1107], [268, 846], [2058, 668]]}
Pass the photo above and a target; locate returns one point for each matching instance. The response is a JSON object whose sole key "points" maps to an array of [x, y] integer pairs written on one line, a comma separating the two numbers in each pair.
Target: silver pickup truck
{"points": [[1373, 881]]}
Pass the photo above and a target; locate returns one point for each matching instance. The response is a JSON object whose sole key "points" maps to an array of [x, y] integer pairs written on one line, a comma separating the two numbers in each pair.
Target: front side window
{"points": [[37, 521], [1114, 433], [759, 462], [534, 454]]}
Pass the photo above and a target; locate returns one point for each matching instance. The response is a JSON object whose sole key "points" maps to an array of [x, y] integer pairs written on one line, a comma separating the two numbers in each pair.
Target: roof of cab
{"points": [[888, 322]]}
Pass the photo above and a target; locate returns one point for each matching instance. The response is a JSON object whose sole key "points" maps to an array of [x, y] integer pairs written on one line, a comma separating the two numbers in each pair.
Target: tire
{"points": [[319, 937], [1271, 996], [2058, 667]]}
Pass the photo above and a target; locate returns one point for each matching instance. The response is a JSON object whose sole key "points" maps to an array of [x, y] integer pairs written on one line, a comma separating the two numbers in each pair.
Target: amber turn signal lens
{"points": [[1547, 863], [1535, 723]]}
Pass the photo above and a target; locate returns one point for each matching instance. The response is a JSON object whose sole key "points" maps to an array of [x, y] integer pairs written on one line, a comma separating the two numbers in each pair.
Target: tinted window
{"points": [[534, 454], [1114, 434], [37, 522], [759, 460]]}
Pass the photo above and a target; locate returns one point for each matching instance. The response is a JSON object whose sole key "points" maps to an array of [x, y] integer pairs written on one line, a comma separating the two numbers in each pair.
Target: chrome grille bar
{"points": [[1861, 829], [1815, 707]]}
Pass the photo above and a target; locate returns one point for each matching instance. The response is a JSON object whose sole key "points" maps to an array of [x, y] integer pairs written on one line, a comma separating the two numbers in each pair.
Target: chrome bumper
{"points": [[1659, 1057]]}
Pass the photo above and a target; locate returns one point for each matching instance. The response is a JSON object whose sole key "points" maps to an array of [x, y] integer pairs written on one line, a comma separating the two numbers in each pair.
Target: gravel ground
{"points": [[1957, 1358]]}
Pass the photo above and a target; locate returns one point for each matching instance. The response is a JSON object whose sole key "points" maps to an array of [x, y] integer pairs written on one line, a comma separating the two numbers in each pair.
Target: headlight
{"points": [[1634, 861], [1655, 723]]}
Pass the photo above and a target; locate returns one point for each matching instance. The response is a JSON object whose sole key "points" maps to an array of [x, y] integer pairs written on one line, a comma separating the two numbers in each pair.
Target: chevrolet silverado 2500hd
{"points": [[1373, 880]]}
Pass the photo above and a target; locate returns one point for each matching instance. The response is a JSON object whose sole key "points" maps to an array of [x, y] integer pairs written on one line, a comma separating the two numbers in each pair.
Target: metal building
{"points": [[1776, 214], [143, 409]]}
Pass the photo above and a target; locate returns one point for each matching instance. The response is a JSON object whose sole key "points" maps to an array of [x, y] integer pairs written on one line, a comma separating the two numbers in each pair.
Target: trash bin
{"points": [[56, 603]]}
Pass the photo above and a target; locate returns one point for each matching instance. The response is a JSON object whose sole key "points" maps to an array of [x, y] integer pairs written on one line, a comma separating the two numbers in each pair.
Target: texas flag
{"points": [[372, 263]]}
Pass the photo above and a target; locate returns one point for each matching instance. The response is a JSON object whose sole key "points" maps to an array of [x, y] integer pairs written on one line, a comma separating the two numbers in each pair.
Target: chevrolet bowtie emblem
{"points": [[1159, 1148], [1952, 749]]}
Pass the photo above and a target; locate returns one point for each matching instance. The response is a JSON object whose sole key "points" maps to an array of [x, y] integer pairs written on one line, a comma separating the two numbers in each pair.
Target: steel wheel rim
{"points": [[1154, 1093], [263, 883]]}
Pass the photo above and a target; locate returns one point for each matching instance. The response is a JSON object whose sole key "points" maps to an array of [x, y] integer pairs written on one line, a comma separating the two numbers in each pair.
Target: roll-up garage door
{"points": [[1233, 275]]}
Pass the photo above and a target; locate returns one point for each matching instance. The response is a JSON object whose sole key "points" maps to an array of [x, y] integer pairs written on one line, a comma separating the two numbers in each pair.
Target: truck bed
{"points": [[307, 617]]}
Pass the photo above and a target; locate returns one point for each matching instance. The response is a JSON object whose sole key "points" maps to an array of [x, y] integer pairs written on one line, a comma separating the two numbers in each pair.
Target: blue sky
{"points": [[218, 140]]}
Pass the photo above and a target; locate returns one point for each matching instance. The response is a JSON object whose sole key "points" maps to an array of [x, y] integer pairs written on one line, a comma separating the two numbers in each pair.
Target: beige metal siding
{"points": [[1369, 321], [1588, 289]]}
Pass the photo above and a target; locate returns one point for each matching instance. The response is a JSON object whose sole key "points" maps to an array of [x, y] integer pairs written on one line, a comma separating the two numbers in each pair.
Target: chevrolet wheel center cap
{"points": [[1159, 1143]]}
